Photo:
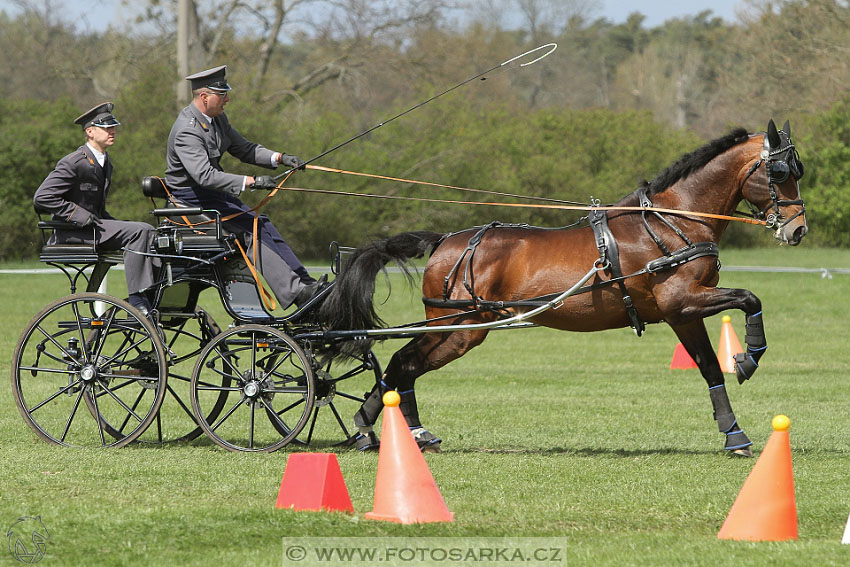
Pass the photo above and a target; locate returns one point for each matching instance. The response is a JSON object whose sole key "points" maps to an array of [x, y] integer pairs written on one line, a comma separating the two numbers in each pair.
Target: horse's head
{"points": [[775, 196]]}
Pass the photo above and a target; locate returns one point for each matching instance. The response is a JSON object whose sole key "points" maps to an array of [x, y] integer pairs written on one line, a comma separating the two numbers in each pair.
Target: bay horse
{"points": [[655, 253]]}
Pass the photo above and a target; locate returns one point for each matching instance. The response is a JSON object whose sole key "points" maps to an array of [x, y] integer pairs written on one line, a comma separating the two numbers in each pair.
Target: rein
{"points": [[563, 205]]}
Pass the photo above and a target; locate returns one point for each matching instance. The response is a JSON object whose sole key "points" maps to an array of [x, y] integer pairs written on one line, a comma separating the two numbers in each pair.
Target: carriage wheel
{"points": [[270, 383], [185, 337], [94, 349], [336, 401]]}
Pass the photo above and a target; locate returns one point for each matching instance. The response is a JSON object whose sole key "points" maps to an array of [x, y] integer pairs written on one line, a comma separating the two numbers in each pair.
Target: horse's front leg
{"points": [[695, 339], [712, 301]]}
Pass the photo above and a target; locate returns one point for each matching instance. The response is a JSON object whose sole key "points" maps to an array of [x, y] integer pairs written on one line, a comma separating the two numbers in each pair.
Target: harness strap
{"points": [[609, 256], [647, 203], [683, 256], [268, 299], [468, 255]]}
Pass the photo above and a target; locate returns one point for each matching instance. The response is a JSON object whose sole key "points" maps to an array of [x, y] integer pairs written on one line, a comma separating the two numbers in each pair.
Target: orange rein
{"points": [[522, 205]]}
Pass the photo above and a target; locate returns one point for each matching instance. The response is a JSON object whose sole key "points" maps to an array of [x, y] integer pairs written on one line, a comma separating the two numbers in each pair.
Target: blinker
{"points": [[779, 171]]}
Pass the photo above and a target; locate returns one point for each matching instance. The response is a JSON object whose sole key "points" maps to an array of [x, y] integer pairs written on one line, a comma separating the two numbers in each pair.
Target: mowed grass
{"points": [[589, 437]]}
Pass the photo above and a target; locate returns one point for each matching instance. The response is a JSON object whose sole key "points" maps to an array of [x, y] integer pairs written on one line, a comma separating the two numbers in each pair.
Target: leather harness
{"points": [[609, 258]]}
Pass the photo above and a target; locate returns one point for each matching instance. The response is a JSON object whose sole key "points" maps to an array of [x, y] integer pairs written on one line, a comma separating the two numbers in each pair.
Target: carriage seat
{"points": [[204, 237], [71, 253], [74, 257], [237, 287]]}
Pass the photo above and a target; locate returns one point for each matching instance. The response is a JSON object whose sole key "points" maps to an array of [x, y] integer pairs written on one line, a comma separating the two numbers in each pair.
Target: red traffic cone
{"points": [[681, 359], [729, 346], [766, 509], [405, 491], [313, 481]]}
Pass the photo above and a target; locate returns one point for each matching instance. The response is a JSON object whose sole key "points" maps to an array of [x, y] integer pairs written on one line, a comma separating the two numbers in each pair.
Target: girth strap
{"points": [[468, 255], [609, 257]]}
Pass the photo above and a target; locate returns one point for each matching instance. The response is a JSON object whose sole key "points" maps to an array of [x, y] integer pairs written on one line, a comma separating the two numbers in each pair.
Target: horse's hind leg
{"points": [[424, 353], [695, 339]]}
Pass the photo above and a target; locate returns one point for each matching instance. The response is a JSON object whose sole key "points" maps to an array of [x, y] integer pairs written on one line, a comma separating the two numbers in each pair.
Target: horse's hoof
{"points": [[743, 452], [428, 442], [368, 442]]}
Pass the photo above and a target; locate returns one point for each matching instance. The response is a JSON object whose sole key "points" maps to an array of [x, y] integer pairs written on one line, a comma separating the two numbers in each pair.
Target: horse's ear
{"points": [[787, 128], [773, 135]]}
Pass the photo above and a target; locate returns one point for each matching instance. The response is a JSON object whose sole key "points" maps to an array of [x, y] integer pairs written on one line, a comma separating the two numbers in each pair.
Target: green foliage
{"points": [[34, 135], [825, 151], [614, 105], [146, 116]]}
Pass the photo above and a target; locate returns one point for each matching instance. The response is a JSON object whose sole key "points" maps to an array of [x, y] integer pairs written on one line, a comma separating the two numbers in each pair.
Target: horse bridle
{"points": [[779, 165]]}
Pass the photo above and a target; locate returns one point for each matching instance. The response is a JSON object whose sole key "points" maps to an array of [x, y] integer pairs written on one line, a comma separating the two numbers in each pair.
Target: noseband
{"points": [[779, 165]]}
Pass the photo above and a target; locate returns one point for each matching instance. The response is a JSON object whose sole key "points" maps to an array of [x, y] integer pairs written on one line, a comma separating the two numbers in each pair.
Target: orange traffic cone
{"points": [[766, 509], [313, 481], [405, 491], [729, 346], [681, 359]]}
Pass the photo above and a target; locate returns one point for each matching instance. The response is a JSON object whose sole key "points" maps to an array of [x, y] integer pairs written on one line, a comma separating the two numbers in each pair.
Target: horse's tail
{"points": [[350, 304]]}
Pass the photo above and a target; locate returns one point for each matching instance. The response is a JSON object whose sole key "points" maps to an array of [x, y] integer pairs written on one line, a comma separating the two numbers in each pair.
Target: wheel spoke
{"points": [[120, 402], [71, 416], [286, 357], [275, 417], [228, 414], [105, 333], [60, 347], [180, 402], [54, 396], [251, 427], [99, 421], [339, 419]]}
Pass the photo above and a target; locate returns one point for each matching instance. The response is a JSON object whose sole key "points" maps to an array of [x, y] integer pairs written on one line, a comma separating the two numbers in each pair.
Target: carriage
{"points": [[92, 370]]}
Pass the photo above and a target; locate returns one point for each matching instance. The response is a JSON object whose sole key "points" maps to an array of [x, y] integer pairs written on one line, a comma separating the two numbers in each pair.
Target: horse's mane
{"points": [[696, 160]]}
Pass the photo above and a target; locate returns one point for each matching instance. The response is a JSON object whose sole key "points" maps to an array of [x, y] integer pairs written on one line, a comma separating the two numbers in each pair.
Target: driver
{"points": [[199, 137]]}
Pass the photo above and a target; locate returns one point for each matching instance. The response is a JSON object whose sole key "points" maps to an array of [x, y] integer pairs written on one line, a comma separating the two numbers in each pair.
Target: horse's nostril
{"points": [[799, 234]]}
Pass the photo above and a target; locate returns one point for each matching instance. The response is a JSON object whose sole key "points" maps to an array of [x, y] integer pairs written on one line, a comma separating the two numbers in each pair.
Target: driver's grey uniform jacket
{"points": [[194, 176], [75, 192]]}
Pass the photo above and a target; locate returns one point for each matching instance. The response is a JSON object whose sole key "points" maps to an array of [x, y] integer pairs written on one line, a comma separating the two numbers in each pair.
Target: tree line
{"points": [[614, 105]]}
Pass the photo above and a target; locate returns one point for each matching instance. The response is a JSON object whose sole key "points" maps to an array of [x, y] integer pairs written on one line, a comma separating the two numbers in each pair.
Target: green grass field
{"points": [[586, 437]]}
